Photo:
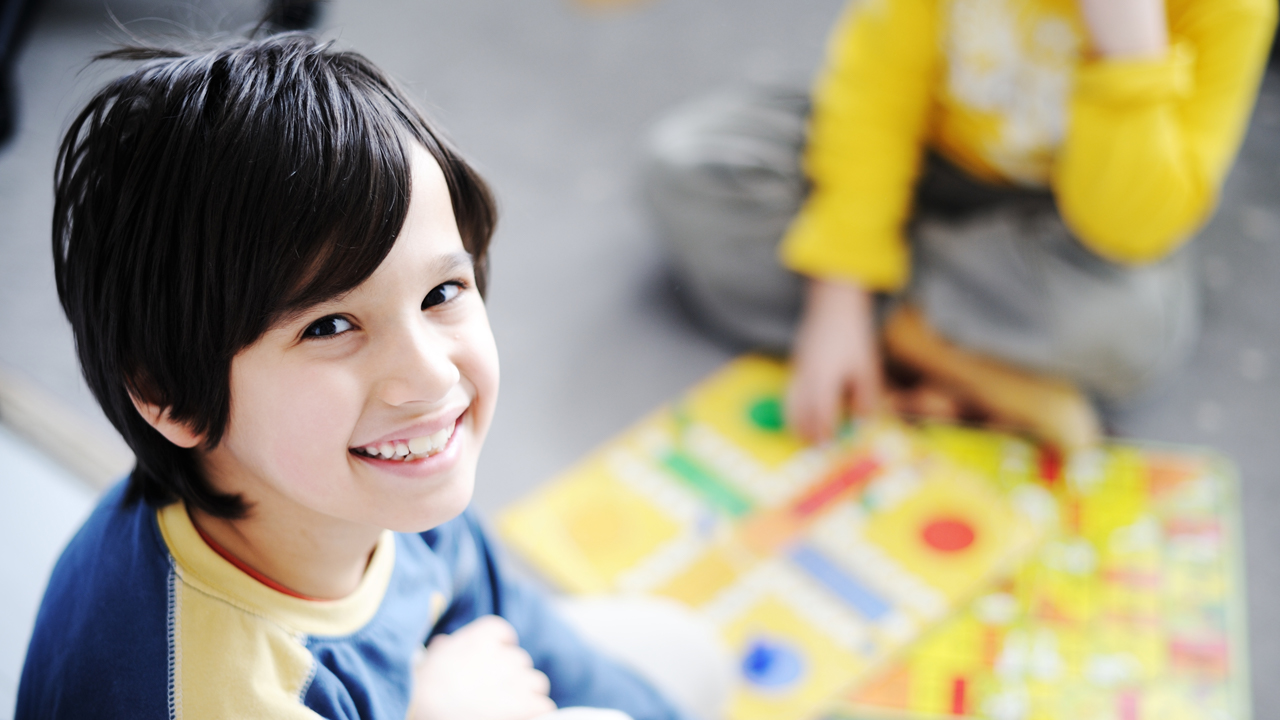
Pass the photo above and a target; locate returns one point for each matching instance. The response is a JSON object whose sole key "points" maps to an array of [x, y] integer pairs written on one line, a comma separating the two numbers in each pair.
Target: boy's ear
{"points": [[158, 417]]}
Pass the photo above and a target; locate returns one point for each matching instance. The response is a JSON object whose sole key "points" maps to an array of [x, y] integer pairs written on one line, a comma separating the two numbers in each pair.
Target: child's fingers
{"points": [[520, 657], [816, 417], [865, 391], [538, 706], [539, 683], [525, 704], [585, 713], [812, 405], [435, 643]]}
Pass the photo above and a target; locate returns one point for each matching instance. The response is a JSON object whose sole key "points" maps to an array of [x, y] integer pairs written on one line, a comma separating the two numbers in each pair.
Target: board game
{"points": [[818, 565], [1133, 611]]}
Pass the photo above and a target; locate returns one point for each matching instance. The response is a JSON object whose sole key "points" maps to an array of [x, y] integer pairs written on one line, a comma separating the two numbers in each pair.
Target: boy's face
{"points": [[404, 363]]}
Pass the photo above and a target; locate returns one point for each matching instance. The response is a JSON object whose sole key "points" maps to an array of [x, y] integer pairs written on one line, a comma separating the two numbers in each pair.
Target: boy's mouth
{"points": [[409, 449]]}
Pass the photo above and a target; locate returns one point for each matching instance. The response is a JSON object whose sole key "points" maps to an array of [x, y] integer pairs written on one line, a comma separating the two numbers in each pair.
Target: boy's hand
{"points": [[478, 673], [835, 361]]}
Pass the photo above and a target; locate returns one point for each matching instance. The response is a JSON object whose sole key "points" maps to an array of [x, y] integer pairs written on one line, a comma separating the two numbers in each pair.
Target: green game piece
{"points": [[767, 414]]}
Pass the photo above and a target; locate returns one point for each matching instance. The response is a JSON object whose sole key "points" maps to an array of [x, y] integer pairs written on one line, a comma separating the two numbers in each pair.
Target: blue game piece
{"points": [[771, 663]]}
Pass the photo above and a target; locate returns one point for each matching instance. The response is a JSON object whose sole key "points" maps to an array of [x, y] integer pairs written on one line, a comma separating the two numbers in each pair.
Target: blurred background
{"points": [[551, 100]]}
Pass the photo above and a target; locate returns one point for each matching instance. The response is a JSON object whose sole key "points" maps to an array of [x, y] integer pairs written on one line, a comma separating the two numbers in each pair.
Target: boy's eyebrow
{"points": [[452, 262]]}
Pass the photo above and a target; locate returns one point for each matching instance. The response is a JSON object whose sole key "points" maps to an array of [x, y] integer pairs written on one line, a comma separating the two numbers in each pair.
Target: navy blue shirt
{"points": [[142, 619]]}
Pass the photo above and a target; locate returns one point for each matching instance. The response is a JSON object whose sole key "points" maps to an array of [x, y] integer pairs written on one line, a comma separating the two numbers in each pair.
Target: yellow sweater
{"points": [[1135, 151]]}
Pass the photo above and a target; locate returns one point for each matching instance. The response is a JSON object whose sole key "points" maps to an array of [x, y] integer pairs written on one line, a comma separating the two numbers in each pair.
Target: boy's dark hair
{"points": [[203, 196]]}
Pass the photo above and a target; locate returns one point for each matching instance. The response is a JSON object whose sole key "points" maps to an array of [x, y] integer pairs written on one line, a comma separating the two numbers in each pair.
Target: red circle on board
{"points": [[948, 534]]}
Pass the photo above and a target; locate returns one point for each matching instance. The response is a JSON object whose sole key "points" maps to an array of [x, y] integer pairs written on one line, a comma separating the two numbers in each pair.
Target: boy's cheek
{"points": [[476, 352], [304, 412], [482, 372]]}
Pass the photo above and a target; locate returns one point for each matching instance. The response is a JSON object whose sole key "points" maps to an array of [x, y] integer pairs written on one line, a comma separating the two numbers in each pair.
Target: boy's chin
{"points": [[440, 509]]}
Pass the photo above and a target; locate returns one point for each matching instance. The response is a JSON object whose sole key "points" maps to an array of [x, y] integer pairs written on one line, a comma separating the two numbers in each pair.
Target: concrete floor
{"points": [[551, 100], [43, 506]]}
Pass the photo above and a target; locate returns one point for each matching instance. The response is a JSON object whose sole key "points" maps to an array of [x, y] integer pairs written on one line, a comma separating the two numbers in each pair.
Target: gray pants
{"points": [[994, 269]]}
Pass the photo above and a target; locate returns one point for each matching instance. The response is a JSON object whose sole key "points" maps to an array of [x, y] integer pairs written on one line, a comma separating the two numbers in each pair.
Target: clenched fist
{"points": [[479, 672]]}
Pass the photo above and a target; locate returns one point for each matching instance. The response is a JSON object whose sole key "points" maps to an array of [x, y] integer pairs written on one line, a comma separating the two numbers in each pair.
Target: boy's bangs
{"points": [[350, 226], [349, 189]]}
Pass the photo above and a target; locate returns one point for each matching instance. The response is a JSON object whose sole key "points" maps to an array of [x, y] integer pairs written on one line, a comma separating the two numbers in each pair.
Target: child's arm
{"points": [[579, 676], [836, 359], [1153, 130], [866, 136]]}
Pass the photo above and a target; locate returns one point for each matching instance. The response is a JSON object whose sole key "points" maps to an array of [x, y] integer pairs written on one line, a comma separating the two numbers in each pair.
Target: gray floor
{"points": [[43, 505], [551, 101]]}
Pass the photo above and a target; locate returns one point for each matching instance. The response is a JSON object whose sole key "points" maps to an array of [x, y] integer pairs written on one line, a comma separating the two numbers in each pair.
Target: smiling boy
{"points": [[273, 268]]}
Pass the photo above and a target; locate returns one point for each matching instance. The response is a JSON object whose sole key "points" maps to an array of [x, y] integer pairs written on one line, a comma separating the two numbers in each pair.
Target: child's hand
{"points": [[835, 362], [585, 713], [478, 673]]}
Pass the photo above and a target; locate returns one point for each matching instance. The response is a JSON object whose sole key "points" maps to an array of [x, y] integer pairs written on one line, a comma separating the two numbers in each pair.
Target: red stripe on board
{"points": [[1050, 464], [824, 493], [957, 696]]}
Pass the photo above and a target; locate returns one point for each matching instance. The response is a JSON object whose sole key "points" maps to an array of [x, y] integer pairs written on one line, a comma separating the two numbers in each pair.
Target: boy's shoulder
{"points": [[101, 636], [140, 617]]}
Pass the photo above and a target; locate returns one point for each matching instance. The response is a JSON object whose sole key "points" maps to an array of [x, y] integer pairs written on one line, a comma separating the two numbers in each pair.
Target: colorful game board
{"points": [[1133, 612], [818, 565]]}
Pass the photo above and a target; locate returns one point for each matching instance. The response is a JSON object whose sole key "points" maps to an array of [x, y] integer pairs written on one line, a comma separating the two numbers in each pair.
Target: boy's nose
{"points": [[417, 367]]}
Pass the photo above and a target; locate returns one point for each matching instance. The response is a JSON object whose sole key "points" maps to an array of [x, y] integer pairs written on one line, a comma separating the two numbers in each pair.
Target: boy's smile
{"points": [[365, 412], [407, 450]]}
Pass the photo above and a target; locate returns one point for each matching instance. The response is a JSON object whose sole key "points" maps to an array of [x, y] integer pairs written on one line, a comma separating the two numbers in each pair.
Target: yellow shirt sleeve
{"points": [[1149, 142], [865, 140]]}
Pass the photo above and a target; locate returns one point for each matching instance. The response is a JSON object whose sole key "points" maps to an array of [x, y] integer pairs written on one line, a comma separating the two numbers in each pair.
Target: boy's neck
{"points": [[324, 565]]}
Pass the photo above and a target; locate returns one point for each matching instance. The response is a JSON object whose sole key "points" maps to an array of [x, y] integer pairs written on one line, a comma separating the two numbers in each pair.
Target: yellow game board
{"points": [[818, 564], [1133, 612]]}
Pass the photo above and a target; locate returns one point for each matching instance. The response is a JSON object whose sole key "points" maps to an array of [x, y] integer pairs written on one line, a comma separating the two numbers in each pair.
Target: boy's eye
{"points": [[327, 327], [441, 293]]}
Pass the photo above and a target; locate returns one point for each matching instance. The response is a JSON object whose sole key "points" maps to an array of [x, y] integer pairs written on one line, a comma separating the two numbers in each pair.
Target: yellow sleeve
{"points": [[1150, 142], [865, 138]]}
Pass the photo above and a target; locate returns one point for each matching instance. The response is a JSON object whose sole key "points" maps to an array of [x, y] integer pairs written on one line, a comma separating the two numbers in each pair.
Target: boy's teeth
{"points": [[440, 437], [412, 449], [434, 442]]}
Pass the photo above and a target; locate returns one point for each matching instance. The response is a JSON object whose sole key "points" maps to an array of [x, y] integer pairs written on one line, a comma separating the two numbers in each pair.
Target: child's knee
{"points": [[1143, 355], [741, 147]]}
